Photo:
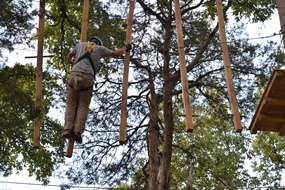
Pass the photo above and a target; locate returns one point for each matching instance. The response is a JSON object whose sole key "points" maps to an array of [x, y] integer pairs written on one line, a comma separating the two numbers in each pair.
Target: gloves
{"points": [[128, 46]]}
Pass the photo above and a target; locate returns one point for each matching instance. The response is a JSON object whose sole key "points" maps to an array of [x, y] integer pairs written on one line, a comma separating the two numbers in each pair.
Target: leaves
{"points": [[269, 148], [17, 114], [16, 23]]}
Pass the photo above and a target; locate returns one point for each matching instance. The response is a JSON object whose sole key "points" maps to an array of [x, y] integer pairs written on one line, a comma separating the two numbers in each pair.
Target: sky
{"points": [[22, 181]]}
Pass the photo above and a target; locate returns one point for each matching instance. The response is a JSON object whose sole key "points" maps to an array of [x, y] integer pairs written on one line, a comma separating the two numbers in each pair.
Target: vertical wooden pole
{"points": [[38, 101], [183, 71], [84, 24], [83, 38], [126, 75], [227, 66]]}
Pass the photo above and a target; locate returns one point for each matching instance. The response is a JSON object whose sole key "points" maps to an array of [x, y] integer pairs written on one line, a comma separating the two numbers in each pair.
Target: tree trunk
{"points": [[164, 169], [153, 138], [281, 12]]}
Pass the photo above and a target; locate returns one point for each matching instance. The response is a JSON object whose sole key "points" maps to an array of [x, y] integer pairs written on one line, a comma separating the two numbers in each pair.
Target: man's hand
{"points": [[128, 46], [69, 56]]}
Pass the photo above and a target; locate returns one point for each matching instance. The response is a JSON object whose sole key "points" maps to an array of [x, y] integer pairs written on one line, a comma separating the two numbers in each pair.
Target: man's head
{"points": [[97, 40]]}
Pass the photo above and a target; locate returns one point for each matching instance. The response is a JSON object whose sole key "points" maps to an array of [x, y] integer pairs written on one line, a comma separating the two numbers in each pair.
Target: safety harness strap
{"points": [[88, 55], [81, 89]]}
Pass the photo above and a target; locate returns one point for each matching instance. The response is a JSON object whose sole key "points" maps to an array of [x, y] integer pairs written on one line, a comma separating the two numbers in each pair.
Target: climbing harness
{"points": [[88, 55]]}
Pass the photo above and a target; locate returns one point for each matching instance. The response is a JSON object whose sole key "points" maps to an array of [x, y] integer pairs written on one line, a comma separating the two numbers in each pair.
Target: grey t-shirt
{"points": [[84, 65]]}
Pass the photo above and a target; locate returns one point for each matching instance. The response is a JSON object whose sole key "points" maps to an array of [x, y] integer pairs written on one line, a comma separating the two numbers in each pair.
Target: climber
{"points": [[80, 83]]}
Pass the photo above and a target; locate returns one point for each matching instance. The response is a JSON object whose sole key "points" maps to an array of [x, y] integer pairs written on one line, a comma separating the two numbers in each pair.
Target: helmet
{"points": [[98, 39]]}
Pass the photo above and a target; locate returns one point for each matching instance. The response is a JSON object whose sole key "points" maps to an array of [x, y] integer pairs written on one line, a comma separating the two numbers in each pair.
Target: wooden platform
{"points": [[270, 113]]}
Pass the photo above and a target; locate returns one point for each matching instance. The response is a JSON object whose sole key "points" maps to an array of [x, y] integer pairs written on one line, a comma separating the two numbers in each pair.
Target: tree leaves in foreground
{"points": [[17, 114], [16, 23], [270, 165]]}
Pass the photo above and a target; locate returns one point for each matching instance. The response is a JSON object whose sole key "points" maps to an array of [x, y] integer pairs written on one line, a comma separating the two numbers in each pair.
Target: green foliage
{"points": [[16, 23], [269, 148], [17, 113], [63, 22], [254, 10], [251, 10], [212, 156]]}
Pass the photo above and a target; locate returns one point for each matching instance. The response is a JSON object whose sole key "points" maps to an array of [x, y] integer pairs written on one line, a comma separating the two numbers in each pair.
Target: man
{"points": [[80, 83]]}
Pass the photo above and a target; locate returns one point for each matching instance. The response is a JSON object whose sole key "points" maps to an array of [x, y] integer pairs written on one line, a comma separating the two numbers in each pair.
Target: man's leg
{"points": [[84, 99], [82, 110], [70, 112]]}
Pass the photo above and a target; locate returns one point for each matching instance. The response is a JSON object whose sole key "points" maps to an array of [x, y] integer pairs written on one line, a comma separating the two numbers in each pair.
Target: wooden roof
{"points": [[270, 113]]}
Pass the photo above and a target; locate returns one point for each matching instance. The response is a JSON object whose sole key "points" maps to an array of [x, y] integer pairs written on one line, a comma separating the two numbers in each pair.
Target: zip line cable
{"points": [[102, 188], [281, 34], [37, 184], [263, 37]]}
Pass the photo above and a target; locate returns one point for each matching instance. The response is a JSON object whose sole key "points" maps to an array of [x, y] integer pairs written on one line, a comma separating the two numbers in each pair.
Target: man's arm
{"points": [[118, 53]]}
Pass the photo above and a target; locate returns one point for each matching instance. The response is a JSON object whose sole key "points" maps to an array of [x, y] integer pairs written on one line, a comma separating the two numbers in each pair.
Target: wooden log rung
{"points": [[126, 74], [39, 73], [70, 146], [227, 68], [183, 70]]}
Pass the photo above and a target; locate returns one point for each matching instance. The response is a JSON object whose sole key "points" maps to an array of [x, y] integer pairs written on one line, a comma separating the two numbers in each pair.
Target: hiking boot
{"points": [[77, 137], [66, 134]]}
